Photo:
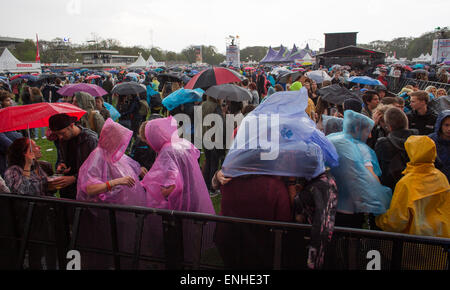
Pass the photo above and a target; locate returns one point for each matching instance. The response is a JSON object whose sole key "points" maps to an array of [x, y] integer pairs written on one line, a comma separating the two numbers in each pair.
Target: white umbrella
{"points": [[318, 76]]}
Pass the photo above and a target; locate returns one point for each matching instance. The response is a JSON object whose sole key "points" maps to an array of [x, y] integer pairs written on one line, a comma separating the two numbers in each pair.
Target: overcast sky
{"points": [[175, 24]]}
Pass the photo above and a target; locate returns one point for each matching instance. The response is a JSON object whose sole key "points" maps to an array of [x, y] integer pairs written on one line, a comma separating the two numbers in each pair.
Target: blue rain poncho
{"points": [[279, 138], [359, 191]]}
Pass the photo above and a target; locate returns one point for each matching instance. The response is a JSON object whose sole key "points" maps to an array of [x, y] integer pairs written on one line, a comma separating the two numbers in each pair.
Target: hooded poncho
{"points": [[176, 164], [92, 120], [107, 162], [421, 201], [359, 191], [442, 145], [291, 146]]}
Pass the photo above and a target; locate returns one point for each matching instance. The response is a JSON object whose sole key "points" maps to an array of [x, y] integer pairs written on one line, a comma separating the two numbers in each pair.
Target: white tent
{"points": [[151, 61], [9, 63], [391, 59], [139, 63]]}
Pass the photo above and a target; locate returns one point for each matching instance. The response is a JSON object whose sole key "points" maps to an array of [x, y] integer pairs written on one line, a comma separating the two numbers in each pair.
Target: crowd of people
{"points": [[380, 160]]}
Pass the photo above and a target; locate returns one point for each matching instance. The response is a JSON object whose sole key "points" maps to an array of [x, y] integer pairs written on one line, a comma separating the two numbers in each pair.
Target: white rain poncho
{"points": [[279, 138]]}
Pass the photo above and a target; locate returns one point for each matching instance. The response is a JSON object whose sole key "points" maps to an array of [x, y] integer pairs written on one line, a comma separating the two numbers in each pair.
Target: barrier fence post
{"points": [[62, 235], [198, 232], [26, 235], [138, 238], [114, 242], [397, 254], [75, 228], [173, 242], [277, 248]]}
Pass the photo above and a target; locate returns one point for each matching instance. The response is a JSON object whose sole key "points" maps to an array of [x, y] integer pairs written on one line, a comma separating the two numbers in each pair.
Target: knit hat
{"points": [[60, 121], [353, 104]]}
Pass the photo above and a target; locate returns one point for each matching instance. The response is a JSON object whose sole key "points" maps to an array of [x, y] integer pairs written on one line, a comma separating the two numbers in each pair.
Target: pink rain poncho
{"points": [[107, 162], [177, 165]]}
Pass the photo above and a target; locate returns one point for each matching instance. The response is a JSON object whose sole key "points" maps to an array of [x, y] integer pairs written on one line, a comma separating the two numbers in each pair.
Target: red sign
{"points": [[24, 65]]}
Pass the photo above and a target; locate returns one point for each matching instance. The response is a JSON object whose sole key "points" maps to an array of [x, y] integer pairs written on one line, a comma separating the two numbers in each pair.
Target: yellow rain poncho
{"points": [[421, 201]]}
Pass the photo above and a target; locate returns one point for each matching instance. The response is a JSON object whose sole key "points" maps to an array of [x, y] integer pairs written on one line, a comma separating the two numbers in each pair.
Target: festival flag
{"points": [[38, 56]]}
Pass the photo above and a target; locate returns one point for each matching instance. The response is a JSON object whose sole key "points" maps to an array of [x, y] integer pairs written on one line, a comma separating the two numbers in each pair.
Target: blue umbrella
{"points": [[364, 80], [115, 115], [419, 65], [3, 78], [113, 71], [83, 70], [158, 69], [29, 77], [182, 96]]}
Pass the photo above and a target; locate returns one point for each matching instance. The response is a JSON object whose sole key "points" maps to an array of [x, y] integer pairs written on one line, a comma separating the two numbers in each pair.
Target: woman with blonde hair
{"points": [[431, 90]]}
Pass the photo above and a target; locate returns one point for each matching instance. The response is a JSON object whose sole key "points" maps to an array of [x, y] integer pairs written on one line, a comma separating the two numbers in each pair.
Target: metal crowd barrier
{"points": [[40, 233], [395, 85]]}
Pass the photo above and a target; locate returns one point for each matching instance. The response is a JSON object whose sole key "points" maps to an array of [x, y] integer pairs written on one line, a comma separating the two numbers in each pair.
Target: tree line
{"points": [[59, 51]]}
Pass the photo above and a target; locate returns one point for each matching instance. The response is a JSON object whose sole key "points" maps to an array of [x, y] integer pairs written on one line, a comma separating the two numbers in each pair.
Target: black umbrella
{"points": [[335, 94], [128, 88], [284, 77], [229, 92], [169, 77], [185, 79], [419, 71]]}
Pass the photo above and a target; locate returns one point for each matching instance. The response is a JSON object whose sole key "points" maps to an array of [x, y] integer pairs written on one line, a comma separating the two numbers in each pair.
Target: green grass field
{"points": [[49, 154]]}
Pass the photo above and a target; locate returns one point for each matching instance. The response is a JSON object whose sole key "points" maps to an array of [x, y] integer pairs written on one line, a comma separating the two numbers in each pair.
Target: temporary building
{"points": [[9, 63]]}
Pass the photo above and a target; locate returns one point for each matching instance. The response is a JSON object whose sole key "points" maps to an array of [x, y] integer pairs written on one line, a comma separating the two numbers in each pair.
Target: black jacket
{"points": [[86, 142], [424, 124], [392, 156]]}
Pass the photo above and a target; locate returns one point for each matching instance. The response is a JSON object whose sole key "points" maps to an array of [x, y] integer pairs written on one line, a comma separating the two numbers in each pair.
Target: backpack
{"points": [[91, 122], [143, 108]]}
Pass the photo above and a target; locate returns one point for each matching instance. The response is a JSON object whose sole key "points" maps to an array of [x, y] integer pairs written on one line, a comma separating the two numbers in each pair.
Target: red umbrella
{"points": [[15, 77], [212, 77], [91, 77], [407, 68], [34, 115]]}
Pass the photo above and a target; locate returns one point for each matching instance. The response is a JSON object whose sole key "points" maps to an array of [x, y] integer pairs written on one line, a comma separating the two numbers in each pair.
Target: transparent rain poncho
{"points": [[359, 191], [107, 162], [279, 138], [176, 164]]}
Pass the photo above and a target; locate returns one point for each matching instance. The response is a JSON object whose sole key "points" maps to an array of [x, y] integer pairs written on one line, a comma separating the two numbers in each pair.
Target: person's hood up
{"points": [[399, 137], [442, 115], [160, 132], [114, 140], [296, 86], [271, 91], [357, 125], [420, 149], [85, 101]]}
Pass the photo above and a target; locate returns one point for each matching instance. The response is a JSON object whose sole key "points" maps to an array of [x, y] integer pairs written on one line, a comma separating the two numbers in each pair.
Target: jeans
{"points": [[36, 132]]}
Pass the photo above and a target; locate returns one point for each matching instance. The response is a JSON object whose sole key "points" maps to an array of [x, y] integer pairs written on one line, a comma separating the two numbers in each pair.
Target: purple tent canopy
{"points": [[279, 55], [288, 56], [270, 54], [93, 90]]}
